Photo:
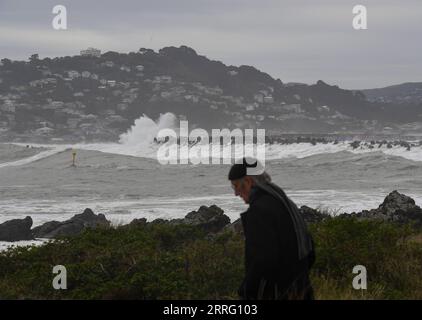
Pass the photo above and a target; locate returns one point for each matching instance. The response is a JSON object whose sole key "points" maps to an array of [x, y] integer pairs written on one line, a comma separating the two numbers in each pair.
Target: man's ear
{"points": [[249, 181]]}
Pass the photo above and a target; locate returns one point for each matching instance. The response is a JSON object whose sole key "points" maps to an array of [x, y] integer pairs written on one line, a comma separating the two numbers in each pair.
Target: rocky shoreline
{"points": [[353, 140], [396, 207]]}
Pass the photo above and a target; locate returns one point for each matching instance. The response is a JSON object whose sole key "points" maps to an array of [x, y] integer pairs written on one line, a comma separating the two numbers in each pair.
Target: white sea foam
{"points": [[414, 153], [272, 151], [4, 245], [44, 154], [139, 141]]}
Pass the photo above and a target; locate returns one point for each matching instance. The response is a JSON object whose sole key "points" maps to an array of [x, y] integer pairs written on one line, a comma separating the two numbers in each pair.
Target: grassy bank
{"points": [[161, 261]]}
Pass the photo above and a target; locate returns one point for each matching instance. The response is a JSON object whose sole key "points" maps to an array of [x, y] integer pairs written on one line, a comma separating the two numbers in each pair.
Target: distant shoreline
{"points": [[290, 137]]}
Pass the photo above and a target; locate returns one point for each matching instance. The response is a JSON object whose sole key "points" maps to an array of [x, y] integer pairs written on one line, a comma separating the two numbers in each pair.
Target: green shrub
{"points": [[164, 261], [393, 263], [154, 262]]}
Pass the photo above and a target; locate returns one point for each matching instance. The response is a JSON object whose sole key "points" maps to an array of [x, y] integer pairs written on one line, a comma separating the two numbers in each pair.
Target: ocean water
{"points": [[125, 181]]}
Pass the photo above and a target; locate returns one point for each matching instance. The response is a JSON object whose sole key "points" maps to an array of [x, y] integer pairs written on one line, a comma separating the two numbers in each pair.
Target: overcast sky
{"points": [[294, 40]]}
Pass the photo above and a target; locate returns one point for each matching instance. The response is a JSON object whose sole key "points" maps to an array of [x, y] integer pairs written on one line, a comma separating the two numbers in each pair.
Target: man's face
{"points": [[242, 188]]}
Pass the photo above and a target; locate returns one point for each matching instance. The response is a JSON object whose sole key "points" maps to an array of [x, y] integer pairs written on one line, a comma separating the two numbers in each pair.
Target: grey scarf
{"points": [[304, 241]]}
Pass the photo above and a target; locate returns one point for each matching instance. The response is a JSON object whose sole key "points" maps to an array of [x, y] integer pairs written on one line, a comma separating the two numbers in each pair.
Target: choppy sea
{"points": [[125, 181]]}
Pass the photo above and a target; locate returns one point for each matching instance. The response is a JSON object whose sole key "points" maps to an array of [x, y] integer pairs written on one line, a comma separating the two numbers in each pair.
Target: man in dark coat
{"points": [[279, 250]]}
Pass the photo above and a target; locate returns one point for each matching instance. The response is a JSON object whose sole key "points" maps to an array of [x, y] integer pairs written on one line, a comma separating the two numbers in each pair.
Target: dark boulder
{"points": [[396, 201], [312, 215], [211, 219], [46, 228], [142, 222], [71, 227], [235, 227], [161, 221], [396, 207], [16, 230], [355, 144]]}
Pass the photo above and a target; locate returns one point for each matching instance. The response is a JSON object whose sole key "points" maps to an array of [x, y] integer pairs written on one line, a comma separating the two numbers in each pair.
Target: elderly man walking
{"points": [[279, 250]]}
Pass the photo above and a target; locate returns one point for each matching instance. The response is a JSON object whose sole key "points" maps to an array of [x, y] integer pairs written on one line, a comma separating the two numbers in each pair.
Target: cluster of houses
{"points": [[74, 116], [162, 88]]}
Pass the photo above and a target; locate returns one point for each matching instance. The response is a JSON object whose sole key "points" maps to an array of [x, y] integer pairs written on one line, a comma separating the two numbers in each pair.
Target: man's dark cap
{"points": [[239, 169]]}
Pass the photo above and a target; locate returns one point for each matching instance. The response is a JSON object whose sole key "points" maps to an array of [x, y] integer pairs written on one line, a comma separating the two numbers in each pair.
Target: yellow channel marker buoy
{"points": [[73, 158]]}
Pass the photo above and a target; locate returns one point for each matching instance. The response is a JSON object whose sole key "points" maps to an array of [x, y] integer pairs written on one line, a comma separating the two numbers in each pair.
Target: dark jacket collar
{"points": [[255, 194], [304, 240]]}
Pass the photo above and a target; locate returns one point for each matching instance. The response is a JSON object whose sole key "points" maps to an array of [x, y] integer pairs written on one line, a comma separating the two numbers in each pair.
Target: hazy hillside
{"points": [[98, 98], [410, 92]]}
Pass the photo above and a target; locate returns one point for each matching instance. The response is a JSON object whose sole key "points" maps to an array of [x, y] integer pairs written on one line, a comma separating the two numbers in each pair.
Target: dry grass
{"points": [[331, 289]]}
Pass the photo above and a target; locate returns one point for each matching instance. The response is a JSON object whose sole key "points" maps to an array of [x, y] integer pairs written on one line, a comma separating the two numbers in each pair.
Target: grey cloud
{"points": [[297, 40]]}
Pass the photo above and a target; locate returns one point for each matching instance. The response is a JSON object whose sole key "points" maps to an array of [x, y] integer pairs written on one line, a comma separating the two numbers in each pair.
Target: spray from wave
{"points": [[144, 131], [139, 141]]}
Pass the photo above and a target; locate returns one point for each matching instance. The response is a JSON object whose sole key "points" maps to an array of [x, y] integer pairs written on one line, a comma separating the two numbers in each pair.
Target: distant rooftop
{"points": [[93, 52]]}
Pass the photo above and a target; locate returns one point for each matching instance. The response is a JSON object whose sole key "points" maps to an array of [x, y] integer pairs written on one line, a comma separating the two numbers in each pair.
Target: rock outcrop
{"points": [[16, 230], [396, 207], [312, 215], [71, 227], [138, 222], [309, 215], [211, 219], [235, 227]]}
